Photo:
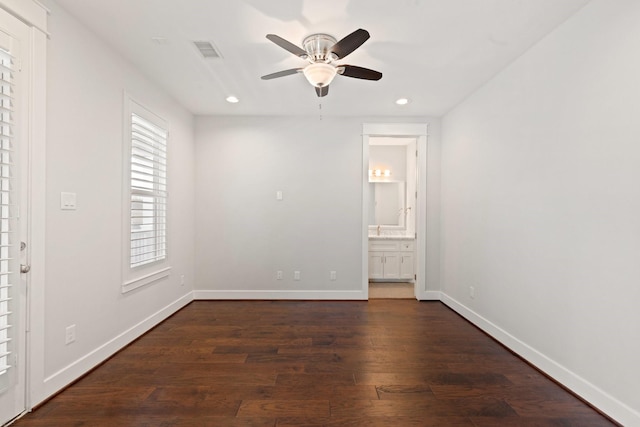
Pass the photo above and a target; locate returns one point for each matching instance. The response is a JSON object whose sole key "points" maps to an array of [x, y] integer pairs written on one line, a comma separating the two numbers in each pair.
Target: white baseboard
{"points": [[279, 294], [75, 370], [429, 296], [595, 396]]}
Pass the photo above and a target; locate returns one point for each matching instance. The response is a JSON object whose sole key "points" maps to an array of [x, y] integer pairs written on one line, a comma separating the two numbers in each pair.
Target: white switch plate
{"points": [[332, 275], [279, 195], [68, 201], [296, 275]]}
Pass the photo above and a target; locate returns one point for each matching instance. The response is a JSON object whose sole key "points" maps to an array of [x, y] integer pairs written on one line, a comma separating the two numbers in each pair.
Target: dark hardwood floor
{"points": [[312, 363]]}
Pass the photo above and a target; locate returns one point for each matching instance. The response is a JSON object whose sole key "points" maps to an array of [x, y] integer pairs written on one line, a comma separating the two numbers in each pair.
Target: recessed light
{"points": [[402, 101], [232, 99]]}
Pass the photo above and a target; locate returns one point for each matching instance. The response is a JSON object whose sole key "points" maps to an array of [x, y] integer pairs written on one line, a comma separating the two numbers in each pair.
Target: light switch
{"points": [[279, 195], [68, 201]]}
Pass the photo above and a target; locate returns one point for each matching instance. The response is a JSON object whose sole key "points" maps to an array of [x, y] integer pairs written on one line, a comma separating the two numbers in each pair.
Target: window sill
{"points": [[145, 280]]}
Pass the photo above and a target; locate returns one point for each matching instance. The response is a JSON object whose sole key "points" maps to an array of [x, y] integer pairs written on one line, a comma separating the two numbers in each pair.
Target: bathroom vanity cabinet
{"points": [[391, 259]]}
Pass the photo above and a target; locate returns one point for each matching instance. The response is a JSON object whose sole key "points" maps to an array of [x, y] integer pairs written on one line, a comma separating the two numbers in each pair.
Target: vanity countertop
{"points": [[391, 237]]}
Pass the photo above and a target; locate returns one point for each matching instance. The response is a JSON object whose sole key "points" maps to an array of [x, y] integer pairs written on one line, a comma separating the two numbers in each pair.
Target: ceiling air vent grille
{"points": [[207, 49]]}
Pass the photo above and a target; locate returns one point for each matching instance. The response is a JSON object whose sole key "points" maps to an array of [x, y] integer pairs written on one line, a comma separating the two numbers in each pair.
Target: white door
{"points": [[14, 36]]}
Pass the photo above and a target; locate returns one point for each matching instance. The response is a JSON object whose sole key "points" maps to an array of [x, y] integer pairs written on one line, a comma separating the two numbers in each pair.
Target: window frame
{"points": [[135, 276]]}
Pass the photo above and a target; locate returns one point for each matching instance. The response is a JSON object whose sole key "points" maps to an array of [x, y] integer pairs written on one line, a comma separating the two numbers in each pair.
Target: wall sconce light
{"points": [[379, 173]]}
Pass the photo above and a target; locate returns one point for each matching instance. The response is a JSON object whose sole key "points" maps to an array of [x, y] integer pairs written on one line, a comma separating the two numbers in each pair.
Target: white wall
{"points": [[245, 235], [84, 248], [541, 206], [389, 157]]}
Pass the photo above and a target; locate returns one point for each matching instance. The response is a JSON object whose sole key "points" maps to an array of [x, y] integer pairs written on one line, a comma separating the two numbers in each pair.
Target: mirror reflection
{"points": [[387, 205]]}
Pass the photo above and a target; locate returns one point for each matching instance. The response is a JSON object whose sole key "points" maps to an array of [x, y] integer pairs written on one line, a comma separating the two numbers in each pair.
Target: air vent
{"points": [[207, 49]]}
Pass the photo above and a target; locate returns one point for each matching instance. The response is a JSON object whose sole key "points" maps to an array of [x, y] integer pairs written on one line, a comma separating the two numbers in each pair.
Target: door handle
{"points": [[25, 268]]}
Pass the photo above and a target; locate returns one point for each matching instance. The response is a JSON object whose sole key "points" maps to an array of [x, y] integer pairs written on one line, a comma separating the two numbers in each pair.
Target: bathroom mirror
{"points": [[386, 204]]}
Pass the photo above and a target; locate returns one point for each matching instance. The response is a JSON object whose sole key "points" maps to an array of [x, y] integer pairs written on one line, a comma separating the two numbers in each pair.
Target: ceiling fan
{"points": [[322, 51]]}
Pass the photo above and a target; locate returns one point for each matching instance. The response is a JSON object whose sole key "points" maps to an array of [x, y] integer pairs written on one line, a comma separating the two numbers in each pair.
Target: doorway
{"points": [[394, 210], [391, 234]]}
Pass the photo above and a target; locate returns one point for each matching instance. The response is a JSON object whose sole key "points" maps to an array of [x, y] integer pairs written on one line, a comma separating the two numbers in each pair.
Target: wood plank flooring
{"points": [[313, 363]]}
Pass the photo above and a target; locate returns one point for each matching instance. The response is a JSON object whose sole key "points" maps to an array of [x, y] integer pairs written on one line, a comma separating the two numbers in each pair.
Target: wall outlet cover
{"points": [[68, 201], [70, 334]]}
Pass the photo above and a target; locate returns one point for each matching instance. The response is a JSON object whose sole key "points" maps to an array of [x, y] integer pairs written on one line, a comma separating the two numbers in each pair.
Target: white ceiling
{"points": [[434, 52]]}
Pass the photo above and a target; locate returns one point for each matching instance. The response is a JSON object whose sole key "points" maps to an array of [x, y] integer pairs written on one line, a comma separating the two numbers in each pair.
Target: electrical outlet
{"points": [[68, 201], [472, 292], [182, 280], [279, 275], [332, 275], [296, 275], [70, 334]]}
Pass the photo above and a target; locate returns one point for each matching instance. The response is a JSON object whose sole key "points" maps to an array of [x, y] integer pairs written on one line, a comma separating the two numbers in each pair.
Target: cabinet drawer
{"points": [[383, 245], [406, 246]]}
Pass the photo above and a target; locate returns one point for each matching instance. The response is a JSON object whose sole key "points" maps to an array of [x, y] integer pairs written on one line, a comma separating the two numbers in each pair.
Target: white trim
{"points": [[421, 216], [75, 370], [365, 215], [37, 219], [145, 280], [279, 295], [394, 129], [429, 295], [32, 13], [578, 385]]}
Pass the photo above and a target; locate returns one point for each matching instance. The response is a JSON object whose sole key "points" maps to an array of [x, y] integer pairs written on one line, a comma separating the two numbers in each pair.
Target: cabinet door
{"points": [[376, 270], [406, 265], [391, 265]]}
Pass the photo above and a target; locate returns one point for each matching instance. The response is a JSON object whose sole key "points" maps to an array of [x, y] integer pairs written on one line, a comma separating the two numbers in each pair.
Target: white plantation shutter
{"points": [[8, 226], [148, 185]]}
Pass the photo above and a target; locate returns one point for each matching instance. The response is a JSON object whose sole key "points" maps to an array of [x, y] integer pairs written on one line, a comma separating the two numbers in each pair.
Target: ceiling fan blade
{"points": [[359, 72], [350, 43], [322, 91], [281, 74], [287, 45]]}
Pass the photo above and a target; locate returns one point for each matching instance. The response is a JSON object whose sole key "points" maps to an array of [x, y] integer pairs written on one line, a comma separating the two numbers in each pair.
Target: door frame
{"points": [[403, 130], [37, 220]]}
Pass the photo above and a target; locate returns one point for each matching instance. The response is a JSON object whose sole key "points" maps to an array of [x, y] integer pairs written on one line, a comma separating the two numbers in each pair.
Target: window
{"points": [[147, 189], [8, 233]]}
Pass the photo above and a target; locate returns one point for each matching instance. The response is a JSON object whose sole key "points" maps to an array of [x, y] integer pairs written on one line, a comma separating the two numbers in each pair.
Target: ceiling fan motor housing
{"points": [[318, 47]]}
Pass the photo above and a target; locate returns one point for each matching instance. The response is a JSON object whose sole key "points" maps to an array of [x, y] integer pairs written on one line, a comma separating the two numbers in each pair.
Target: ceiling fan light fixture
{"points": [[319, 74]]}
